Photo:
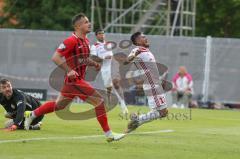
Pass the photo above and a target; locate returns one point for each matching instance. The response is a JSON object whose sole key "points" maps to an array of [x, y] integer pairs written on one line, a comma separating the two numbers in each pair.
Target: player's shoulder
{"points": [[96, 44], [68, 42], [70, 39], [17, 92]]}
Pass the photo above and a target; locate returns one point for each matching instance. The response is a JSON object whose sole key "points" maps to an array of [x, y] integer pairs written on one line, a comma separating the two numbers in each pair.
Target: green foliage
{"points": [[44, 14], [218, 18]]}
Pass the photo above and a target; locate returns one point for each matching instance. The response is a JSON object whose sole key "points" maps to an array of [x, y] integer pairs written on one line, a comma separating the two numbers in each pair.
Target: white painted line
{"points": [[78, 137], [152, 132]]}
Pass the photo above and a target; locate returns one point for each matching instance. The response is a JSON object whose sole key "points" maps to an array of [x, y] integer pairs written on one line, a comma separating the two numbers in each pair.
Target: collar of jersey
{"points": [[143, 49], [77, 36]]}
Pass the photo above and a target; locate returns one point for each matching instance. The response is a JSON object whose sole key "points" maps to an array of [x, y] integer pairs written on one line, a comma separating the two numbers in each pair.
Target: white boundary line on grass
{"points": [[78, 137]]}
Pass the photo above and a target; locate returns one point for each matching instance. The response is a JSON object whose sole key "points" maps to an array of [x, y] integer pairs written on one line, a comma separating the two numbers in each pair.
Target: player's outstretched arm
{"points": [[129, 60], [132, 56]]}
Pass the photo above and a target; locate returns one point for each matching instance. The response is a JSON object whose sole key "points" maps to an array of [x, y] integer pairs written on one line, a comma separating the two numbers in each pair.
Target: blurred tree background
{"points": [[43, 14], [218, 18]]}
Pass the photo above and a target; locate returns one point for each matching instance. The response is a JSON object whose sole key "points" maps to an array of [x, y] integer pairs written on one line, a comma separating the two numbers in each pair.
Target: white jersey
{"points": [[146, 62], [99, 50], [145, 54]]}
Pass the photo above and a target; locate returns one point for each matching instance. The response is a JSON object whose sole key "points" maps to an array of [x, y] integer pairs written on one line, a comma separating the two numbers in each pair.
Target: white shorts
{"points": [[106, 77], [156, 100]]}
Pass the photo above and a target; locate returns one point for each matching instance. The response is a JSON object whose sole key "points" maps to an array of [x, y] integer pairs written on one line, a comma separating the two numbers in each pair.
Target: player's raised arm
{"points": [[132, 56]]}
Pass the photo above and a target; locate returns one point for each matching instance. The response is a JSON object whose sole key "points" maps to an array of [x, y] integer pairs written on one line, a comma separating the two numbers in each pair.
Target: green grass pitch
{"points": [[199, 134]]}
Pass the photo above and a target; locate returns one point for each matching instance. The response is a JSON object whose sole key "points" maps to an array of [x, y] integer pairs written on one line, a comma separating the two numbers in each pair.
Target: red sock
{"points": [[47, 107], [102, 117]]}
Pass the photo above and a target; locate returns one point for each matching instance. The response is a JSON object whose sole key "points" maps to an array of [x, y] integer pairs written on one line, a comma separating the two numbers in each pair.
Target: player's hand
{"points": [[137, 52], [97, 66], [11, 128], [108, 57], [72, 75]]}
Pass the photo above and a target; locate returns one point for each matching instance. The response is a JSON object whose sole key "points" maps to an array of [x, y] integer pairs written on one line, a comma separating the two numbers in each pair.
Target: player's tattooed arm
{"points": [[96, 58], [91, 62]]}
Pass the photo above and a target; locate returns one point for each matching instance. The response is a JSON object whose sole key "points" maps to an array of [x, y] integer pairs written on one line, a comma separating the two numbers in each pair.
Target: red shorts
{"points": [[79, 88]]}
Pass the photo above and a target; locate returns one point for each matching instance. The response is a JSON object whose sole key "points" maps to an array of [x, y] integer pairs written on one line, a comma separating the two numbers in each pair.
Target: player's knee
{"points": [[59, 107]]}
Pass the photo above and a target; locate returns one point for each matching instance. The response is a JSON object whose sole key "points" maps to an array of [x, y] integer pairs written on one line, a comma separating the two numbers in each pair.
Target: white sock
{"points": [[33, 116], [108, 133], [152, 115], [122, 102]]}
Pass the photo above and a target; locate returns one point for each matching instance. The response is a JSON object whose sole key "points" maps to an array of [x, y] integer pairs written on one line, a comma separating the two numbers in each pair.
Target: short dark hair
{"points": [[77, 17], [98, 31], [4, 81], [134, 36]]}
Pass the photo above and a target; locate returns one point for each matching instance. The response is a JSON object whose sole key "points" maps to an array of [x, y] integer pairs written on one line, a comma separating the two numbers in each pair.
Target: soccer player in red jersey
{"points": [[75, 50]]}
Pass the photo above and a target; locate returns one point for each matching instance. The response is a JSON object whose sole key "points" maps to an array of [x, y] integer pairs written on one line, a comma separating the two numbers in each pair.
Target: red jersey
{"points": [[75, 51]]}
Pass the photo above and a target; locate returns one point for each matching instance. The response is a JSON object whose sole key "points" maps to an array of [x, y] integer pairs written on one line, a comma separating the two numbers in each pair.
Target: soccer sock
{"points": [[47, 107], [108, 133], [122, 102], [152, 115], [102, 117]]}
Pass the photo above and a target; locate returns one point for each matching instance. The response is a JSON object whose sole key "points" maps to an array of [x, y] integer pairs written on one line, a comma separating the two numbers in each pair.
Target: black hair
{"points": [[98, 30], [77, 17], [134, 36], [4, 81]]}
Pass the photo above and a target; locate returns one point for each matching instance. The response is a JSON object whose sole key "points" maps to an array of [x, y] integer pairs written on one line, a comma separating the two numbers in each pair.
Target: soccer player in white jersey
{"points": [[145, 62], [100, 54]]}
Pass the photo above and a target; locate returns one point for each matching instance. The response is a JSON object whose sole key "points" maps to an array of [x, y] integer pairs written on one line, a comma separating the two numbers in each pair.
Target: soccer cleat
{"points": [[115, 137], [28, 119], [133, 124], [36, 127]]}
